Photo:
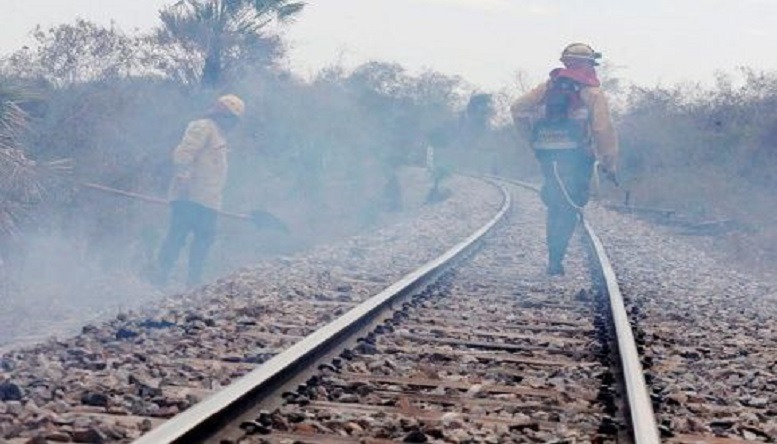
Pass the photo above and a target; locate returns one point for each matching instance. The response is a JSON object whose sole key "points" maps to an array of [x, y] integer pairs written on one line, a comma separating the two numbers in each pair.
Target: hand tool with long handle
{"points": [[260, 218]]}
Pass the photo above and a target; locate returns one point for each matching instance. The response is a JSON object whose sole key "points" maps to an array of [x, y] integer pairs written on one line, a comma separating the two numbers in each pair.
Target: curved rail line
{"points": [[295, 365], [198, 422], [640, 408]]}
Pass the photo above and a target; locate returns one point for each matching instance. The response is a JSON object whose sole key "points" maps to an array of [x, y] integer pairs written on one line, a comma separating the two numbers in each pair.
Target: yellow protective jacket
{"points": [[200, 162], [605, 138]]}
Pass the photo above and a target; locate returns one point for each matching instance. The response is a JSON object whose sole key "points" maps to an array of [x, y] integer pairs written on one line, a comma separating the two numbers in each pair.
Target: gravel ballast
{"points": [[710, 336]]}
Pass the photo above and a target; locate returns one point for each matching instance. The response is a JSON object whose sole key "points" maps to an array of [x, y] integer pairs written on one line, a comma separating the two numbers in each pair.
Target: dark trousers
{"points": [[572, 173], [187, 217]]}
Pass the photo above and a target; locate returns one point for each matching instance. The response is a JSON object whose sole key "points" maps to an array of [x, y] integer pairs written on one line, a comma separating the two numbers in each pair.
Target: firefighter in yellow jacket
{"points": [[195, 194], [570, 129]]}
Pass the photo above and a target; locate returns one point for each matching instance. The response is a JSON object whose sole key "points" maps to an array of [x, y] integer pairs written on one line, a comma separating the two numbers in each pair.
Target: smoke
{"points": [[322, 155]]}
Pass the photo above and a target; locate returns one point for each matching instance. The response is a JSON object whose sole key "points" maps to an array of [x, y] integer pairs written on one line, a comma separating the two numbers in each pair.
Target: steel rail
{"points": [[643, 420], [203, 420]]}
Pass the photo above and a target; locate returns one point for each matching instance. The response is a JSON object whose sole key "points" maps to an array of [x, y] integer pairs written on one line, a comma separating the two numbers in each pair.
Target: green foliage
{"points": [[220, 32]]}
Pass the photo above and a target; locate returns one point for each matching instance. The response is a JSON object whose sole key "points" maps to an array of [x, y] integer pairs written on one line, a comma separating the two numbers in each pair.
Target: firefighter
{"points": [[196, 189], [570, 130]]}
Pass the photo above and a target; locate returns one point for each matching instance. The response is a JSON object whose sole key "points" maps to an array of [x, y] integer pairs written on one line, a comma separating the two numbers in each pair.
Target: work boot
{"points": [[555, 269]]}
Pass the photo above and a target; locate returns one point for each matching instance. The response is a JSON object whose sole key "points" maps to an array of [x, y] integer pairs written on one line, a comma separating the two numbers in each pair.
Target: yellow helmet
{"points": [[580, 51], [231, 104]]}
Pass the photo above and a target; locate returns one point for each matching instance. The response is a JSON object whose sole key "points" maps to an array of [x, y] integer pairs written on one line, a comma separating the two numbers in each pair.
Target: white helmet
{"points": [[580, 51]]}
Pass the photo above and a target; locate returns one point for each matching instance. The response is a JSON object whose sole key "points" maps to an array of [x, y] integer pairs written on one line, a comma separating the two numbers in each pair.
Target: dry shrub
{"points": [[710, 153]]}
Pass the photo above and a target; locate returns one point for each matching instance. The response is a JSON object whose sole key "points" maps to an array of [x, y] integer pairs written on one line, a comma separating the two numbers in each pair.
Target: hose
{"points": [[564, 190]]}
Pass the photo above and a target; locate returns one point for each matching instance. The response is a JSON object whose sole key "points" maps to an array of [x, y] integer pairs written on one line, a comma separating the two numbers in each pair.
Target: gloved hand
{"points": [[612, 176]]}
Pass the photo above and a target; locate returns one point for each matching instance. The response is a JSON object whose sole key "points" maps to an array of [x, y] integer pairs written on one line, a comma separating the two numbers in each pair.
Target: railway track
{"points": [[487, 349], [121, 377], [706, 334], [477, 350]]}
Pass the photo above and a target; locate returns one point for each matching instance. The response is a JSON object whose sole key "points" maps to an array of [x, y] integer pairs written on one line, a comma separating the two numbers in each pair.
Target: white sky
{"points": [[484, 41]]}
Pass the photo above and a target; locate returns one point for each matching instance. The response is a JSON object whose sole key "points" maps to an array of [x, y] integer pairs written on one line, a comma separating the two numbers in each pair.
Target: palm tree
{"points": [[22, 180], [214, 28]]}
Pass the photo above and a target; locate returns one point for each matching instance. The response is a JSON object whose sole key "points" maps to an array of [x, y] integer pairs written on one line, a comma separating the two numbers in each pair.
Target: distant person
{"points": [[570, 128], [200, 173]]}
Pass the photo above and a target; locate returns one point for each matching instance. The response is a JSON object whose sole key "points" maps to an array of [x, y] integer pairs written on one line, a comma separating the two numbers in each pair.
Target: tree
{"points": [[480, 110], [22, 180], [220, 31], [76, 53]]}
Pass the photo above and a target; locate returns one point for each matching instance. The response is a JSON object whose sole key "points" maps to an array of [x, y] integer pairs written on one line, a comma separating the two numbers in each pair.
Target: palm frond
{"points": [[214, 28], [22, 180], [290, 10]]}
